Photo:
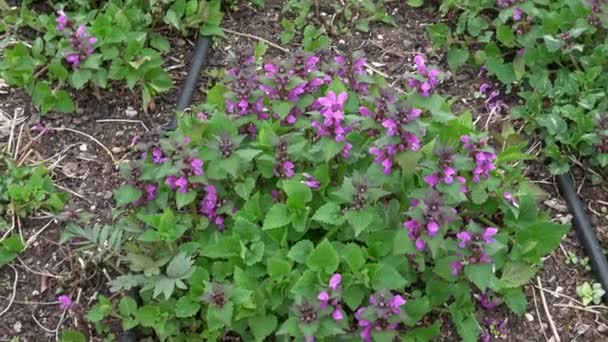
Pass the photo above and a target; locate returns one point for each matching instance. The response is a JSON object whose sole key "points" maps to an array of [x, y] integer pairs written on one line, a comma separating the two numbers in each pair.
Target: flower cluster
{"points": [[494, 104], [471, 242], [331, 298], [426, 218], [283, 166], [507, 3], [597, 9], [381, 315], [523, 21], [81, 43], [192, 167], [210, 204], [427, 78], [484, 158]]}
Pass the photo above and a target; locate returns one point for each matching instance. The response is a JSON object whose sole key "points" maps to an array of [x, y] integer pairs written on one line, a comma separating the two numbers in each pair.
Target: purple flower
{"points": [[396, 302], [335, 280], [288, 169], [150, 192], [333, 105], [73, 59], [197, 166], [420, 64], [456, 267], [345, 153], [65, 302], [414, 114], [419, 243], [465, 238], [521, 52], [517, 13], [62, 20], [510, 199], [323, 297], [484, 88], [432, 179], [182, 184], [311, 182], [488, 234], [158, 157], [432, 228], [365, 111], [337, 314], [448, 175], [391, 126]]}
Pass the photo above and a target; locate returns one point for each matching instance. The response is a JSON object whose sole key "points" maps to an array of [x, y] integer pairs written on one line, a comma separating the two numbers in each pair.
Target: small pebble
{"points": [[602, 328], [17, 327], [116, 149], [130, 112], [380, 37], [529, 317], [83, 147]]}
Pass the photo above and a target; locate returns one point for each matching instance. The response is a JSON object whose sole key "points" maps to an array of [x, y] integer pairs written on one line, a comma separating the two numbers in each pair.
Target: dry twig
{"points": [[59, 129], [540, 321], [547, 313], [10, 303]]}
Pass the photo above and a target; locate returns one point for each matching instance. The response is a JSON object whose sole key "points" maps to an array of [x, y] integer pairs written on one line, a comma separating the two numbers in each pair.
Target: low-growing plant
{"points": [[115, 42], [307, 199], [590, 293], [552, 54], [341, 18], [24, 190]]}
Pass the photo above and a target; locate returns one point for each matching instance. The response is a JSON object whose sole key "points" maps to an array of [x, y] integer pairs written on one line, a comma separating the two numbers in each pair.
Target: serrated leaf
{"points": [[186, 307], [324, 258], [126, 195], [329, 213], [278, 216], [457, 57], [263, 326], [480, 274]]}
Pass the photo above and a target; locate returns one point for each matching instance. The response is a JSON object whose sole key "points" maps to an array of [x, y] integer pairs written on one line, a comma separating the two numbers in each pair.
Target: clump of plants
{"points": [[24, 190], [113, 43], [306, 198], [551, 55]]}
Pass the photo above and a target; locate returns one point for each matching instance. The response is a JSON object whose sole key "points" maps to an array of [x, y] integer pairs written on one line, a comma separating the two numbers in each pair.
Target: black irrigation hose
{"points": [[198, 61], [586, 234]]}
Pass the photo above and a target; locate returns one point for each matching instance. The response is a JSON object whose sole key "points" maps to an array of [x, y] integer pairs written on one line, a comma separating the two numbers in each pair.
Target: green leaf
{"points": [[415, 3], [300, 251], [440, 34], [148, 315], [58, 70], [324, 258], [504, 71], [545, 235], [160, 43], [63, 102], [329, 213], [387, 277], [423, 334], [480, 274], [416, 309], [126, 195], [80, 77], [354, 256], [180, 266], [127, 306], [505, 35], [182, 199], [457, 57], [552, 44], [263, 326], [298, 194], [515, 300], [516, 274], [278, 216], [10, 248], [69, 335], [186, 307], [277, 268]]}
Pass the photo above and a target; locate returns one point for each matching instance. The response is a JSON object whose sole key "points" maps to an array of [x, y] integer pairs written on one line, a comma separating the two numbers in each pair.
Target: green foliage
{"points": [[128, 48], [228, 229], [551, 54], [590, 293]]}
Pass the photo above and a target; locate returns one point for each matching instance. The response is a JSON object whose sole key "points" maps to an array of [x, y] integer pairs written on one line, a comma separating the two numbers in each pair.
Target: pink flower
{"points": [[456, 267], [62, 20], [517, 13], [65, 302], [197, 166], [488, 234], [311, 182], [465, 238], [333, 105], [337, 314], [335, 280], [432, 228], [365, 111], [510, 199], [150, 192], [288, 169]]}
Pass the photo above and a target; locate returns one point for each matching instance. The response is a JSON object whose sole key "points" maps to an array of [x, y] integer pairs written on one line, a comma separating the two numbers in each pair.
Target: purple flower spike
{"points": [[432, 179], [488, 234], [288, 169], [182, 184], [465, 238], [333, 105], [335, 280], [65, 302], [311, 182], [396, 302], [419, 244]]}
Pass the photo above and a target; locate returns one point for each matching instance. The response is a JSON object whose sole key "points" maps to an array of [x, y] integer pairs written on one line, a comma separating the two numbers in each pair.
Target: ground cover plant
{"points": [[115, 43], [305, 198], [551, 54]]}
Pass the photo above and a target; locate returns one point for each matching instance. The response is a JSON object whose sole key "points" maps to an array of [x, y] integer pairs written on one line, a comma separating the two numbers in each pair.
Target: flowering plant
{"points": [[551, 55], [306, 198], [80, 46]]}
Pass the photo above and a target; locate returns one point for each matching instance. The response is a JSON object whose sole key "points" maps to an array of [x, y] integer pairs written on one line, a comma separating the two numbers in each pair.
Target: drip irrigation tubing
{"points": [[585, 231], [197, 63]]}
